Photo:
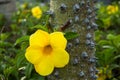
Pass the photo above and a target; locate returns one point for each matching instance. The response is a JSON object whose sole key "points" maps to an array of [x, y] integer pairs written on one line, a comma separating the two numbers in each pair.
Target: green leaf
{"points": [[110, 37], [116, 57], [116, 41], [98, 35], [71, 35], [113, 66], [104, 42], [28, 70], [21, 39], [24, 45], [20, 58], [40, 27], [8, 71], [106, 56], [4, 36], [5, 44], [36, 76]]}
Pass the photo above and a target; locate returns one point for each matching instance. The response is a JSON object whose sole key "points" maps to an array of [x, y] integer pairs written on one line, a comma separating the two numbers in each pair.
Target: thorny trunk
{"points": [[7, 7], [81, 17]]}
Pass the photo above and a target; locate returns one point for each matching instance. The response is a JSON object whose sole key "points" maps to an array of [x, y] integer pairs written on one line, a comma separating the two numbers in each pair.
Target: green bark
{"points": [[81, 15]]}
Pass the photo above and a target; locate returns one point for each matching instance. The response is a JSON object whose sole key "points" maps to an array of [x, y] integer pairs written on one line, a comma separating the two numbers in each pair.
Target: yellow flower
{"points": [[47, 51], [36, 12], [104, 73], [101, 75], [112, 9]]}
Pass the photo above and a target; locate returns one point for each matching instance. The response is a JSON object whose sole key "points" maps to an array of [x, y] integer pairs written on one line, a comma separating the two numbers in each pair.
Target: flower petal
{"points": [[45, 67], [60, 57], [58, 40], [39, 38], [34, 54], [36, 12]]}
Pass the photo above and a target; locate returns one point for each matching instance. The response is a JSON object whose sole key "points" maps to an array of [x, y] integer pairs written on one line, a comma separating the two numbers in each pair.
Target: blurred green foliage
{"points": [[108, 20], [2, 20], [108, 41], [13, 42]]}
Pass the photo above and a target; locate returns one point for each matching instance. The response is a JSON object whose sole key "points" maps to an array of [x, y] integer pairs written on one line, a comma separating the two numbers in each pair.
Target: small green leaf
{"points": [[22, 39], [110, 37], [105, 57], [40, 27], [70, 35], [5, 44], [4, 36], [28, 70], [113, 66], [24, 45], [103, 42], [116, 57], [20, 58], [8, 71], [116, 41], [36, 76]]}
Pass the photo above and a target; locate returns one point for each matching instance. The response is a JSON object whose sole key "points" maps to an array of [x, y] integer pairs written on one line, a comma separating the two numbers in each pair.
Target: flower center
{"points": [[36, 11], [47, 49]]}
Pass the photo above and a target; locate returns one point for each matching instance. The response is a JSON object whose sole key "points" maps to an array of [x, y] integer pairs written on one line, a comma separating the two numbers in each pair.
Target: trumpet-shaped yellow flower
{"points": [[112, 9], [36, 12], [47, 51]]}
